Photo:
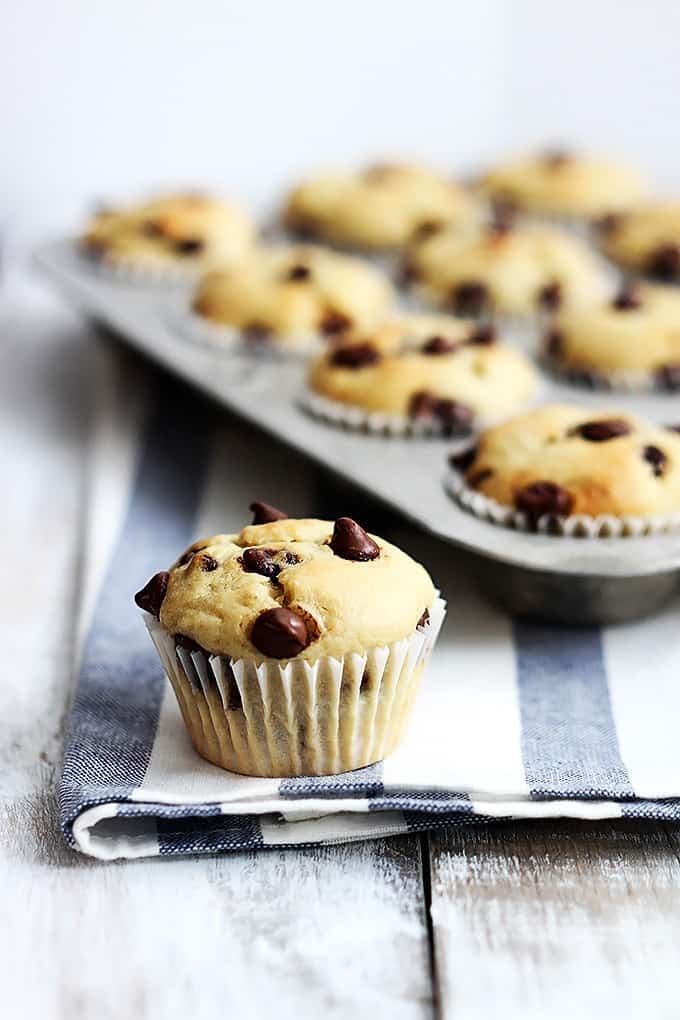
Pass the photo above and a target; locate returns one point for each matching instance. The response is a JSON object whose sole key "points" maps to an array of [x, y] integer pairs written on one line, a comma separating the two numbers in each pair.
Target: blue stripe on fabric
{"points": [[431, 802], [115, 711], [366, 782], [208, 835], [569, 741]]}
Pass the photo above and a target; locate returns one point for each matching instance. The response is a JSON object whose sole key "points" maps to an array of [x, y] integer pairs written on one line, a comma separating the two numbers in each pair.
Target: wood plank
{"points": [[556, 919], [332, 932]]}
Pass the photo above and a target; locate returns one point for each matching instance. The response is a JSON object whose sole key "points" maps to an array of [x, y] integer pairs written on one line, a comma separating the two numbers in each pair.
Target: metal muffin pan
{"points": [[569, 580]]}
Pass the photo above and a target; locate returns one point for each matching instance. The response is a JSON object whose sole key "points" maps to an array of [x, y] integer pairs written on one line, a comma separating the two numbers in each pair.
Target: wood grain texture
{"points": [[333, 932], [557, 919]]}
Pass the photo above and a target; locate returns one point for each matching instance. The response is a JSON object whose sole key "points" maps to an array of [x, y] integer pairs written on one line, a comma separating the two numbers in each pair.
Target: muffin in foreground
{"points": [[645, 239], [569, 470], [176, 234], [295, 647], [421, 373], [293, 294], [503, 270], [631, 341], [562, 184], [378, 208]]}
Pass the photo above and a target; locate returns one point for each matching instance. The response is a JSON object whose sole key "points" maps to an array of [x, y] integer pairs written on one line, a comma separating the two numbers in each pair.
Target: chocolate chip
{"points": [[601, 431], [355, 356], [439, 345], [498, 229], [407, 273], [256, 332], [208, 563], [504, 212], [455, 418], [554, 159], [182, 641], [187, 556], [470, 298], [150, 597], [609, 223], [667, 377], [428, 228], [463, 460], [550, 296], [554, 343], [664, 262], [263, 561], [298, 272], [334, 322], [424, 620], [672, 428], [483, 337], [478, 477], [279, 633], [152, 228], [657, 458], [350, 542], [189, 246], [627, 299], [541, 498], [264, 513]]}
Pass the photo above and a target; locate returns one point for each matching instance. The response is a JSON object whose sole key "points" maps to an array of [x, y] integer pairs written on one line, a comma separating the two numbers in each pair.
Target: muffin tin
{"points": [[570, 580]]}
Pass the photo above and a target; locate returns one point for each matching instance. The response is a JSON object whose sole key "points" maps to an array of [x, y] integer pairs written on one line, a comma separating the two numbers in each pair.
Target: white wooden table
{"points": [[544, 920]]}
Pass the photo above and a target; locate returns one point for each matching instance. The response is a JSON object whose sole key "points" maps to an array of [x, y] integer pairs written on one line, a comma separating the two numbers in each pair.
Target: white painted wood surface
{"points": [[546, 920]]}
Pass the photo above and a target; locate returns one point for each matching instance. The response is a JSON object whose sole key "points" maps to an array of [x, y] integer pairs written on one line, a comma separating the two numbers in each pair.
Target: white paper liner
{"points": [[627, 382], [199, 330], [356, 419], [127, 270], [574, 526], [302, 718]]}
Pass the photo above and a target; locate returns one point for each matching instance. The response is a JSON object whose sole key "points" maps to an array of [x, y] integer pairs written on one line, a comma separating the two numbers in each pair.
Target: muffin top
{"points": [[563, 184], [512, 270], [646, 238], [295, 292], [637, 332], [182, 231], [379, 207], [427, 366], [564, 460], [286, 589]]}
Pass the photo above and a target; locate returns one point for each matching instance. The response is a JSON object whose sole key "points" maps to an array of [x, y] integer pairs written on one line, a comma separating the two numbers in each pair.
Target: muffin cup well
{"points": [[302, 718], [574, 526]]}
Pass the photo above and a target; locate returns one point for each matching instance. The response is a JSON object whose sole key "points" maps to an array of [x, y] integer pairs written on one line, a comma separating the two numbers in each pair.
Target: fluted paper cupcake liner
{"points": [[301, 718], [378, 423], [573, 526], [127, 270], [626, 382], [199, 330]]}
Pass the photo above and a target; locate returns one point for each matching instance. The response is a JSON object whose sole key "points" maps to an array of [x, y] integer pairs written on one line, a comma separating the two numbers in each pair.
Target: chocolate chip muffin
{"points": [[421, 374], [645, 239], [504, 270], [563, 184], [295, 647], [294, 294], [569, 469], [175, 235], [630, 341], [378, 208]]}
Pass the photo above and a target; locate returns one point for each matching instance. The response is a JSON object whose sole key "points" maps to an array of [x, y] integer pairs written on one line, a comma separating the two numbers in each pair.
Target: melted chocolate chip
{"points": [[152, 229], [439, 345], [483, 337], [667, 377], [424, 620], [208, 563], [602, 431], [657, 458], [260, 561], [256, 332], [609, 224], [264, 513], [428, 228], [627, 299], [187, 556], [298, 272], [150, 597], [463, 460], [279, 633], [478, 477], [334, 322], [455, 418], [355, 356], [540, 498], [504, 213], [550, 296], [470, 298], [350, 542], [664, 262], [189, 246], [554, 343]]}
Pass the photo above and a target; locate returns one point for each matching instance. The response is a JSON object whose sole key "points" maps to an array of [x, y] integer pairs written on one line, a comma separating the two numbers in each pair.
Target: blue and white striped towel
{"points": [[514, 719]]}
